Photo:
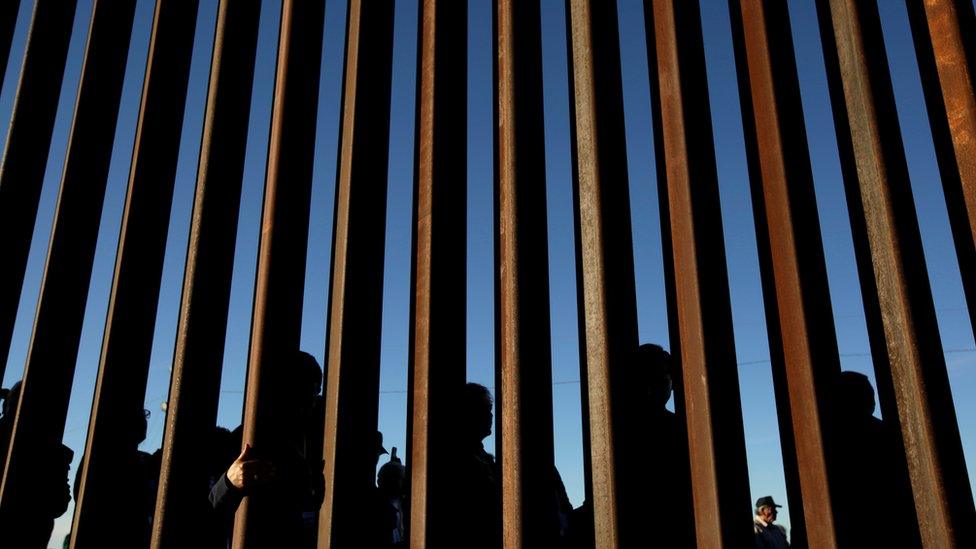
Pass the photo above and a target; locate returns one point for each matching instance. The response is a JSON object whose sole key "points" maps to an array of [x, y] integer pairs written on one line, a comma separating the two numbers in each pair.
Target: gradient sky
{"points": [[762, 437]]}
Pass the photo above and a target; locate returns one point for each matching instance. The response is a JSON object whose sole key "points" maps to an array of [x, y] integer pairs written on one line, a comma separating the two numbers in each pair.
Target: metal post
{"points": [[26, 151], [41, 415], [280, 284], [876, 174], [356, 298], [794, 270], [605, 263], [945, 44], [181, 505], [524, 398], [127, 343], [8, 21], [716, 442], [438, 329]]}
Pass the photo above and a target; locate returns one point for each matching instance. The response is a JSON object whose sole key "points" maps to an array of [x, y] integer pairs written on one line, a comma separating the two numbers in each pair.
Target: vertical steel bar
{"points": [[26, 151], [181, 505], [794, 270], [945, 44], [438, 329], [605, 263], [280, 284], [876, 174], [522, 273], [8, 21], [356, 298], [716, 442], [127, 343], [41, 415]]}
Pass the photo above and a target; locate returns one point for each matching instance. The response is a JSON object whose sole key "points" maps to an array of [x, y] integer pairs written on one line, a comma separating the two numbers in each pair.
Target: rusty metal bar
{"points": [[876, 174], [945, 44], [794, 271], [356, 298], [280, 284], [8, 21], [716, 442], [41, 415], [605, 263], [438, 330], [127, 343], [524, 398], [181, 505], [26, 151]]}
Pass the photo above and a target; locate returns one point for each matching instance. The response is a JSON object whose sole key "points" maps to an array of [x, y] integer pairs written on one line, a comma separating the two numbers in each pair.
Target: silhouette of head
{"points": [[476, 416], [392, 476], [136, 427], [10, 401], [856, 394], [652, 367], [296, 385]]}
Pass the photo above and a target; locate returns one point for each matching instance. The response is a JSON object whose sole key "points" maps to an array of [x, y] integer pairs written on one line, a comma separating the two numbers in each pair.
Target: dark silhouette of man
{"points": [[391, 483], [874, 481], [30, 525], [280, 471], [131, 493], [649, 440], [475, 520]]}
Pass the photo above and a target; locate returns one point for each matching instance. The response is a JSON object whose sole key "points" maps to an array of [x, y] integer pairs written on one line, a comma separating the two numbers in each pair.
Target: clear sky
{"points": [[762, 438]]}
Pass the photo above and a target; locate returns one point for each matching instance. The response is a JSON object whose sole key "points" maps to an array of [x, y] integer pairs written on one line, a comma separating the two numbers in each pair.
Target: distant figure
{"points": [[280, 471], [30, 525], [873, 469], [649, 441], [391, 485], [768, 534]]}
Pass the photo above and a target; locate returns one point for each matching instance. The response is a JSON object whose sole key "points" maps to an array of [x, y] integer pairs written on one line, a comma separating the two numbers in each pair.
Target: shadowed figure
{"points": [[135, 478], [874, 481], [475, 495], [651, 435], [284, 471], [30, 525], [391, 482]]}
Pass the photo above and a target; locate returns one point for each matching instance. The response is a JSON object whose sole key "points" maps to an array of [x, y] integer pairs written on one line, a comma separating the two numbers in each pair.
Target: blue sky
{"points": [[762, 442]]}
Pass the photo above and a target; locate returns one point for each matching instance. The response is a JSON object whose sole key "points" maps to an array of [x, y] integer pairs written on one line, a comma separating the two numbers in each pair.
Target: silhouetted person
{"points": [[280, 471], [29, 525], [475, 502], [131, 490], [649, 441], [874, 481], [391, 482], [768, 534]]}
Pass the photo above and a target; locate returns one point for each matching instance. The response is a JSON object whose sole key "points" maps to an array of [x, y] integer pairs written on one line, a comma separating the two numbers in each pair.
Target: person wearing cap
{"points": [[768, 534]]}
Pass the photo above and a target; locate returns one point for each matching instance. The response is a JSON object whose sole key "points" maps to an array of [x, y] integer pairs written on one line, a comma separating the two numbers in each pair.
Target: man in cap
{"points": [[768, 535]]}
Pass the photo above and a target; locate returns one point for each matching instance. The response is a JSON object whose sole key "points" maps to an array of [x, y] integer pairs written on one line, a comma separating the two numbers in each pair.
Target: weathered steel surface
{"points": [[198, 357], [8, 20], [26, 151], [880, 196], [280, 283], [794, 272], [127, 343], [524, 369], [50, 368], [608, 319], [945, 44], [356, 297], [703, 322], [438, 327]]}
